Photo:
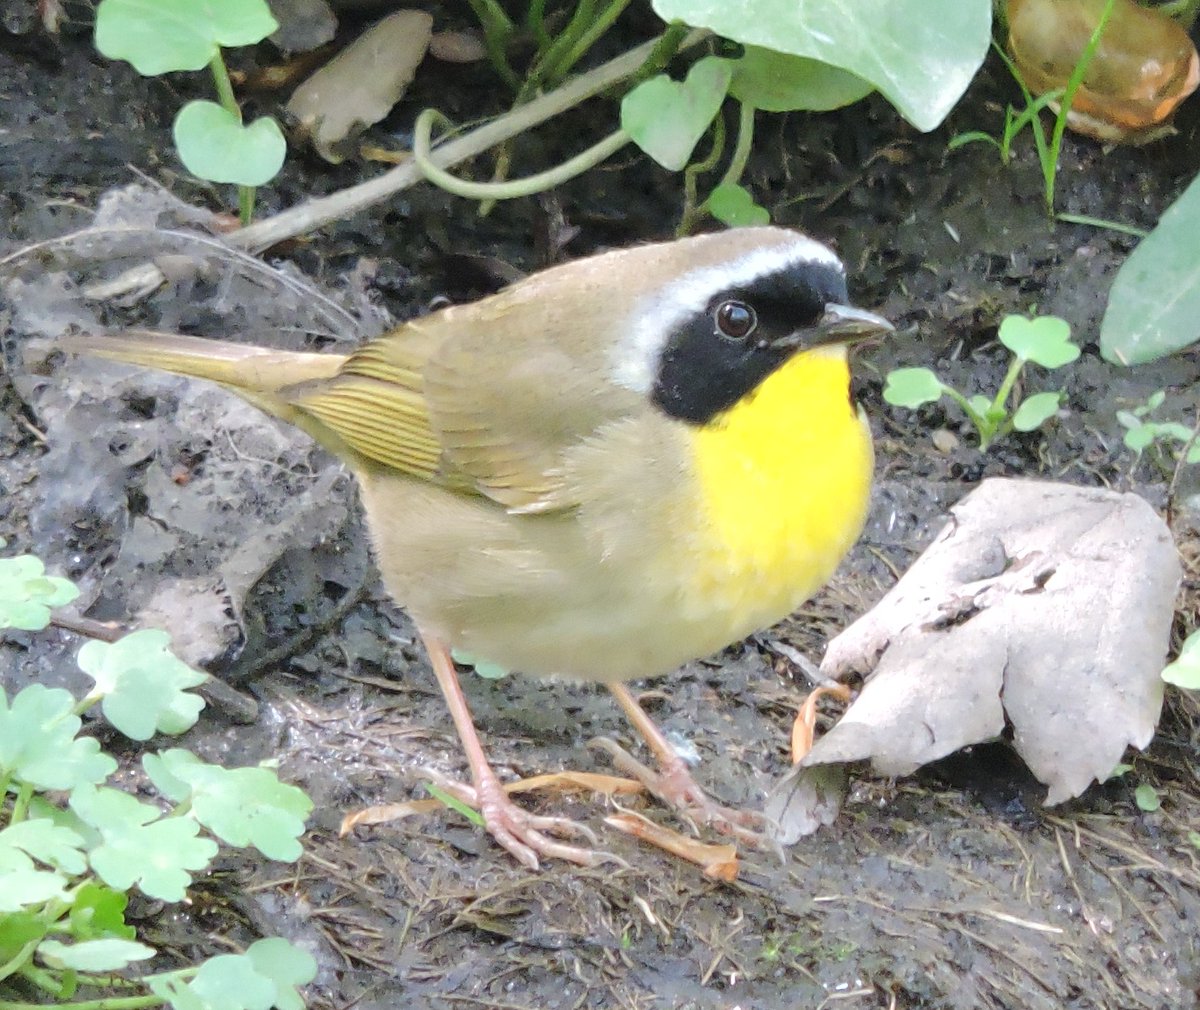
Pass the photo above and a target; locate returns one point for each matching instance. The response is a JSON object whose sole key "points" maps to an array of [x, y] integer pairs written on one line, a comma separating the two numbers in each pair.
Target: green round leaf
{"points": [[38, 743], [921, 54], [666, 118], [1044, 340], [286, 965], [27, 594], [733, 205], [1140, 437], [777, 82], [1185, 671], [214, 144], [1155, 300], [1036, 410], [144, 686], [1147, 799], [109, 954], [158, 36], [912, 387]]}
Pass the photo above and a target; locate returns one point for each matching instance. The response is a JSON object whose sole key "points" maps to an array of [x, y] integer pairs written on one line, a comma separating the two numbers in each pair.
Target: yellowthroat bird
{"points": [[606, 470]]}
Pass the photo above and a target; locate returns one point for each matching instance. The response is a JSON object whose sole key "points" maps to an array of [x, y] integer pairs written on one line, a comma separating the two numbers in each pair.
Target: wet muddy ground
{"points": [[171, 502]]}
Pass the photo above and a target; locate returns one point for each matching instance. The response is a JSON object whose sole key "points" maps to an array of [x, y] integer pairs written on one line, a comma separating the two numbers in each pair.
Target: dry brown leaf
{"points": [[360, 85], [719, 862], [1044, 605], [609, 785]]}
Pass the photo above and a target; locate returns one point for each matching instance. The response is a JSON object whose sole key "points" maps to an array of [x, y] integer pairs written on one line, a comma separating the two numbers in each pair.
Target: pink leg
{"points": [[673, 783], [519, 831]]}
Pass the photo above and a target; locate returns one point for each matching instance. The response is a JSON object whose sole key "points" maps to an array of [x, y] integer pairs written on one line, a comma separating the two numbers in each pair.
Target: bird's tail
{"points": [[266, 377]]}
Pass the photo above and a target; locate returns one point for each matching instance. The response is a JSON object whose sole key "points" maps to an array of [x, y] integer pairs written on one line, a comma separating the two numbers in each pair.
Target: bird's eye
{"points": [[735, 319]]}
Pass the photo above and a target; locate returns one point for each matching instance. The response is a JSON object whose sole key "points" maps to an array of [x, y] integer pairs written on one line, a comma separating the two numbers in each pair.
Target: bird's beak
{"points": [[840, 324], [844, 324]]}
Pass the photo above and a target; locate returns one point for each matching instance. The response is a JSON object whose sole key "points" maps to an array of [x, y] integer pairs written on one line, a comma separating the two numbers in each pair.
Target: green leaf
{"points": [[1185, 671], [38, 744], [777, 82], [286, 965], [144, 686], [1044, 340], [921, 54], [484, 669], [214, 144], [666, 119], [139, 846], [1155, 300], [27, 593], [912, 387], [45, 842], [265, 976], [157, 36], [110, 954], [17, 931], [1036, 410], [1147, 799], [1194, 838], [242, 806], [99, 911], [24, 887], [178, 994], [455, 804], [1141, 437], [733, 205], [233, 982]]}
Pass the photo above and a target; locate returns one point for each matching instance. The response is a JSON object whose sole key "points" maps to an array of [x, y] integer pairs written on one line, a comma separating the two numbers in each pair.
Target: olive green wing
{"points": [[449, 401]]}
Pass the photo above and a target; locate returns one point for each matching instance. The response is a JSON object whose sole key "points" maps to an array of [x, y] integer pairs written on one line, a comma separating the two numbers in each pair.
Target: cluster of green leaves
{"points": [[1142, 432], [1043, 340], [71, 846], [161, 36], [919, 55]]}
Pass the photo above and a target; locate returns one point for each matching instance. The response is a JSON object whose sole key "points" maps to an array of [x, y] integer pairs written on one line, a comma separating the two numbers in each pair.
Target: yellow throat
{"points": [[784, 478]]}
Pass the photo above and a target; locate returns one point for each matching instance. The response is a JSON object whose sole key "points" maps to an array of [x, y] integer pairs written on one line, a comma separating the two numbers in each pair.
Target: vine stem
{"points": [[513, 188]]}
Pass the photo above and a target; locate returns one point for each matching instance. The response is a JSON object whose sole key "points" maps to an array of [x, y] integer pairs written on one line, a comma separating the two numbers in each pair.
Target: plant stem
{"points": [[981, 423], [691, 212], [423, 157], [1010, 379], [107, 1003], [664, 50], [1064, 108], [535, 19], [1099, 222], [589, 38], [541, 73], [21, 803], [229, 103], [741, 148], [497, 30]]}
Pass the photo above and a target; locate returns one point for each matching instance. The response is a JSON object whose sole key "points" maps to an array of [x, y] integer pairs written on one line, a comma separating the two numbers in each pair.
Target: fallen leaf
{"points": [[359, 86], [1041, 605], [718, 862]]}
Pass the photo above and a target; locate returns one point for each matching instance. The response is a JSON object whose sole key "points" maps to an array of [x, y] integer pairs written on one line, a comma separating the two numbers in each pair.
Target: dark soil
{"points": [[168, 500]]}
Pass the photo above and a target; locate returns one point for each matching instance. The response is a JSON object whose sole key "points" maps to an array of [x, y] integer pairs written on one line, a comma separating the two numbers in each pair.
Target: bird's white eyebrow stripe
{"points": [[635, 356]]}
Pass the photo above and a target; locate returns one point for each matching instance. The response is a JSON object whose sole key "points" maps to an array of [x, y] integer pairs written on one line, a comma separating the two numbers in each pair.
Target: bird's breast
{"points": [[783, 482]]}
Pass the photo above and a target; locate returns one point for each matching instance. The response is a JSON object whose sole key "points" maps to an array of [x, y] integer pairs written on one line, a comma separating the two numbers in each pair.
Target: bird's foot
{"points": [[673, 785], [525, 835]]}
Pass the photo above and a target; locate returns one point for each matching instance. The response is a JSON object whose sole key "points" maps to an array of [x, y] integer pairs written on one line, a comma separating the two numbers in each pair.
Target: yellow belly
{"points": [[785, 479]]}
